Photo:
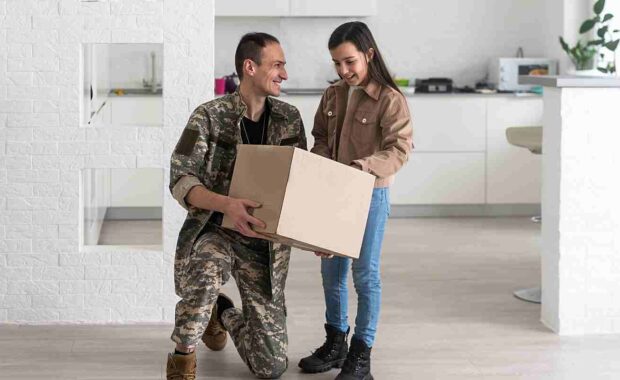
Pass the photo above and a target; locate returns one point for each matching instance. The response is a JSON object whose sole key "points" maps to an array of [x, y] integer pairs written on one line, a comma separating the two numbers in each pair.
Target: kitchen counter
{"points": [[134, 92], [319, 92], [570, 81]]}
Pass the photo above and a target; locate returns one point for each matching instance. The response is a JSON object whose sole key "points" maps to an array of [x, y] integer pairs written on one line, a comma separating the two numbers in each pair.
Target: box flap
{"points": [[261, 174]]}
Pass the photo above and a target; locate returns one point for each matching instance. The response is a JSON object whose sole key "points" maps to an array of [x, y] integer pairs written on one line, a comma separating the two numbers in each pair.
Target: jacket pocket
{"points": [[224, 155], [291, 141], [225, 142], [365, 131]]}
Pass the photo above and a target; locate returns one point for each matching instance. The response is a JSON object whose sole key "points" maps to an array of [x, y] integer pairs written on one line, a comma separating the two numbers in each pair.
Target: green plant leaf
{"points": [[564, 45], [596, 42], [612, 45], [587, 26], [608, 17], [602, 69], [601, 32], [599, 6]]}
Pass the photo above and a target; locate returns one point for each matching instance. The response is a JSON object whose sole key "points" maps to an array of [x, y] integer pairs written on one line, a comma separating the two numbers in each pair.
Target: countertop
{"points": [[319, 92], [570, 81]]}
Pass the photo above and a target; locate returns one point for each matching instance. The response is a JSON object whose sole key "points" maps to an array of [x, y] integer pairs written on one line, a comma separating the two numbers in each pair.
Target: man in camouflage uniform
{"points": [[207, 254]]}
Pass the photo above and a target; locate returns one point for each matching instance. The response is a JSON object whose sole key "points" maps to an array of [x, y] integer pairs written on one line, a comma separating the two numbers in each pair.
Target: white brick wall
{"points": [[44, 277]]}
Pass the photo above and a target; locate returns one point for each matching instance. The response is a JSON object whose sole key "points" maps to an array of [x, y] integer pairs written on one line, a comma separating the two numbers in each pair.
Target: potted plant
{"points": [[605, 43]]}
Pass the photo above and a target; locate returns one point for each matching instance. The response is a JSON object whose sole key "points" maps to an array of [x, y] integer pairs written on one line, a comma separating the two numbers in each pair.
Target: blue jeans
{"points": [[366, 275]]}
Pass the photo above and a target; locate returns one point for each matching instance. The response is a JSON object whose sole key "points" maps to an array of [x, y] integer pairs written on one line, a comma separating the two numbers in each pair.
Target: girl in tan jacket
{"points": [[363, 120]]}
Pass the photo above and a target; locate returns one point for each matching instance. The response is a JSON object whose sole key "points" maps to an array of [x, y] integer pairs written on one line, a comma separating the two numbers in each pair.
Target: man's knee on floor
{"points": [[268, 365], [274, 371]]}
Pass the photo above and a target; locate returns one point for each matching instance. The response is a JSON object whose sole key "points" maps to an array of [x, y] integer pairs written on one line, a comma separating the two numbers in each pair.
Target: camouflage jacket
{"points": [[205, 155]]}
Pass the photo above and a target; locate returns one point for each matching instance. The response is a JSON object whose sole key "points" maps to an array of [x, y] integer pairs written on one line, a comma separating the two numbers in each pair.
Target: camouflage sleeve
{"points": [[303, 142], [189, 155]]}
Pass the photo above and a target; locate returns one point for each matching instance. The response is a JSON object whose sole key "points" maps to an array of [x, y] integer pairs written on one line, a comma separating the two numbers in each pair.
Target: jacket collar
{"points": [[275, 108], [372, 89]]}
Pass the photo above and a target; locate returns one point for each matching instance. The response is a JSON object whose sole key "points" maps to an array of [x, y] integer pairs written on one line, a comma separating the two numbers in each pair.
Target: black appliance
{"points": [[433, 85]]}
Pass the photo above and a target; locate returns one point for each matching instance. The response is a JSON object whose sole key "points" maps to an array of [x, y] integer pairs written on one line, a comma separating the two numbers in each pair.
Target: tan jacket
{"points": [[374, 132]]}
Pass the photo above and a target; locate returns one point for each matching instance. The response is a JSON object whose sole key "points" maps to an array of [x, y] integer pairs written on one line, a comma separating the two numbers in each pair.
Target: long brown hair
{"points": [[357, 33]]}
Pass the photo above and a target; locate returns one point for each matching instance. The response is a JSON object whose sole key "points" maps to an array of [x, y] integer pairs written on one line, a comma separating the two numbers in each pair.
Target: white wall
{"points": [[453, 38], [130, 63], [45, 276]]}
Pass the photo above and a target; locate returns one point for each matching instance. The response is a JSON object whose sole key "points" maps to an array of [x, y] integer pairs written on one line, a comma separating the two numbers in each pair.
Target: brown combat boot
{"points": [[215, 336], [181, 367]]}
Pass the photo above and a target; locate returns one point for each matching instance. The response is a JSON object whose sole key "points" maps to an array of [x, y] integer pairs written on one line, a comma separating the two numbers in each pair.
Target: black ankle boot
{"points": [[330, 355], [357, 365]]}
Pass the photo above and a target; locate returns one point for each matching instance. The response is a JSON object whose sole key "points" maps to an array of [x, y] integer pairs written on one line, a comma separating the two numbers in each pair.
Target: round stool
{"points": [[531, 139]]}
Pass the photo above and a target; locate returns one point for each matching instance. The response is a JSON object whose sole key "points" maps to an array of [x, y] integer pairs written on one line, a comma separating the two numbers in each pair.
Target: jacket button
{"points": [[329, 113], [364, 120]]}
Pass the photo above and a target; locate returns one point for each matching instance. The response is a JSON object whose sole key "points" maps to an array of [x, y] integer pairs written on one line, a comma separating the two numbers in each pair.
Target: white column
{"points": [[581, 210]]}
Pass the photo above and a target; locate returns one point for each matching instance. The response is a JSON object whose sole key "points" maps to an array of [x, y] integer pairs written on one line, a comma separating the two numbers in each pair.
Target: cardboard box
{"points": [[308, 201]]}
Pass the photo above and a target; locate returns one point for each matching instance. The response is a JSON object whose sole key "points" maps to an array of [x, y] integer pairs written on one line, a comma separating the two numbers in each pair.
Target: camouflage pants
{"points": [[259, 329]]}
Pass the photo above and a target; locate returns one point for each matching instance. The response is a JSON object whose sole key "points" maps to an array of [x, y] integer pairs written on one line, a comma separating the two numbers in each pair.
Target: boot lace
{"points": [[326, 349], [215, 329], [354, 363], [177, 375]]}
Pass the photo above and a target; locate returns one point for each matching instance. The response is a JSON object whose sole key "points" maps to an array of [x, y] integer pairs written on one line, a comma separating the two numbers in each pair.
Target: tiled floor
{"points": [[448, 313]]}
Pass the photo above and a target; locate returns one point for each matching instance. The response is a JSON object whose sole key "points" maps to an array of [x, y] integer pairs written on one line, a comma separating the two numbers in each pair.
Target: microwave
{"points": [[504, 72]]}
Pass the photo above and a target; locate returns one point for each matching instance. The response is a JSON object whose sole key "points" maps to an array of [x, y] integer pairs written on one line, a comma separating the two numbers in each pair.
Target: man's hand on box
{"points": [[324, 255], [238, 210]]}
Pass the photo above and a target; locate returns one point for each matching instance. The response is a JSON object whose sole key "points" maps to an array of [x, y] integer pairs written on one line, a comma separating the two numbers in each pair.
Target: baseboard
{"points": [[410, 211], [134, 213]]}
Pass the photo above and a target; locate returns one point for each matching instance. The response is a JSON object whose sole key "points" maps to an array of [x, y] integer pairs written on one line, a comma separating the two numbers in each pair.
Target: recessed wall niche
{"points": [[121, 207], [122, 85]]}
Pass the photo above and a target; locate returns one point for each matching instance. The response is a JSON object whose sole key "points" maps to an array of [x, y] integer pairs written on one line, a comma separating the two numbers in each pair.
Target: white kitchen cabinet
{"points": [[242, 8], [330, 8], [295, 8], [448, 123], [136, 187], [440, 178], [130, 111], [136, 110], [513, 173]]}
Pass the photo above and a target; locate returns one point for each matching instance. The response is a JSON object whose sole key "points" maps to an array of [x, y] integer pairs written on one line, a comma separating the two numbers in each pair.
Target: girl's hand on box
{"points": [[323, 255]]}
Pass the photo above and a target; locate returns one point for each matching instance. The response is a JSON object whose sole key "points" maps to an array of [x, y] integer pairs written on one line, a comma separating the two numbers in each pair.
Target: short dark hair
{"points": [[250, 47]]}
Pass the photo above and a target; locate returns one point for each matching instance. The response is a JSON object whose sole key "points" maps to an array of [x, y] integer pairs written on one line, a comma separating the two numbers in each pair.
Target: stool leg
{"points": [[530, 294]]}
